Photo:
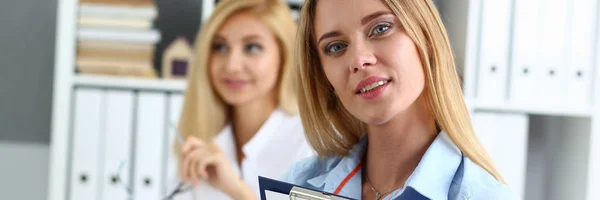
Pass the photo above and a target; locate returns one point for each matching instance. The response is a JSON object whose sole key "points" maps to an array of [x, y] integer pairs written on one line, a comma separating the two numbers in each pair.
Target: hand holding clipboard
{"points": [[274, 190]]}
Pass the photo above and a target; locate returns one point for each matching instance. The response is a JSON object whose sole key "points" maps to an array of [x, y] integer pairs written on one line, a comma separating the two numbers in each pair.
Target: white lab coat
{"points": [[278, 144]]}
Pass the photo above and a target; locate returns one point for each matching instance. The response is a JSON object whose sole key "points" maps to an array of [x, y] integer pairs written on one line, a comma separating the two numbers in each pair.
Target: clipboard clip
{"points": [[298, 192]]}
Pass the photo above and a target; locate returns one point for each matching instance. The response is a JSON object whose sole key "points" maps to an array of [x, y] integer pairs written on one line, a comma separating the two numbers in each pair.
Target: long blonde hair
{"points": [[204, 113], [332, 130]]}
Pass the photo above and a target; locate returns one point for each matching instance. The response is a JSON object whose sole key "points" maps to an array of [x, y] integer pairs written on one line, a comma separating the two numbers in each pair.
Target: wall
{"points": [[26, 67]]}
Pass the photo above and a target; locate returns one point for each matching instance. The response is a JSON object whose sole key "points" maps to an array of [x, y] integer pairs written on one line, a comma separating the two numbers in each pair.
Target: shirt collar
{"points": [[268, 128], [432, 177], [342, 169], [226, 139], [437, 169]]}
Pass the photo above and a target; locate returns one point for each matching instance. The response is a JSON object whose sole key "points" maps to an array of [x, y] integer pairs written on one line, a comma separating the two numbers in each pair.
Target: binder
{"points": [[149, 145], [580, 52], [552, 53], [496, 131], [171, 170], [494, 51], [275, 190], [118, 123], [525, 66], [87, 117]]}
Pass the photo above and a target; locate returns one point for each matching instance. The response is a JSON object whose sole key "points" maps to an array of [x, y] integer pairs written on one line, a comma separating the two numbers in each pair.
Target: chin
{"points": [[376, 117], [235, 100]]}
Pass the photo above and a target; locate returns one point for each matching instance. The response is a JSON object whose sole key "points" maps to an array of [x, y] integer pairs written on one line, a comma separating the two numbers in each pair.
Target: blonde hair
{"points": [[204, 113], [332, 130]]}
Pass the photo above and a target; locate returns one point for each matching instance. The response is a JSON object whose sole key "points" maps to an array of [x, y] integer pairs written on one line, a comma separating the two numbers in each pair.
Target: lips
{"points": [[235, 83], [370, 83]]}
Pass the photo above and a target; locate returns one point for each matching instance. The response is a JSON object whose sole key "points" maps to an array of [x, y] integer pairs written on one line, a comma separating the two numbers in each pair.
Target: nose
{"points": [[234, 62], [362, 56]]}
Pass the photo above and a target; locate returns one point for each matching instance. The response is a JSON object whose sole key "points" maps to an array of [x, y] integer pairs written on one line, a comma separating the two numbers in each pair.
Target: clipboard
{"points": [[294, 192]]}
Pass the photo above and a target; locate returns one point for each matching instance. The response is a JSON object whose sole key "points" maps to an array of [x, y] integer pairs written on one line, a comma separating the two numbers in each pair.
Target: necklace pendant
{"points": [[377, 196]]}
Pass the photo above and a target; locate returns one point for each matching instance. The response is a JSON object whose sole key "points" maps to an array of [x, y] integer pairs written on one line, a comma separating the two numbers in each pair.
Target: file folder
{"points": [[494, 51], [116, 144], [292, 191], [149, 145], [87, 117]]}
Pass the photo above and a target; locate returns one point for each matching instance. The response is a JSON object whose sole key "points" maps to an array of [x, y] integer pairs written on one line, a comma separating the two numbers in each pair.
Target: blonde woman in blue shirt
{"points": [[381, 103]]}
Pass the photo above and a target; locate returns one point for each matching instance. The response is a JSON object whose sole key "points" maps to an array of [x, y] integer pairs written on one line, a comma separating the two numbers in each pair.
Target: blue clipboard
{"points": [[291, 189], [267, 184]]}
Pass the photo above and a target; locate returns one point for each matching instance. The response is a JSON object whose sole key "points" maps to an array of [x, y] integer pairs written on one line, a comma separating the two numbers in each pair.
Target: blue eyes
{"points": [[334, 48], [221, 48], [380, 29], [248, 48], [252, 48]]}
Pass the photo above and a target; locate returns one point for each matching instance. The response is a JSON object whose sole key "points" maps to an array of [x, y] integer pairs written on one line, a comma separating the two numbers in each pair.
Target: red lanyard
{"points": [[354, 171]]}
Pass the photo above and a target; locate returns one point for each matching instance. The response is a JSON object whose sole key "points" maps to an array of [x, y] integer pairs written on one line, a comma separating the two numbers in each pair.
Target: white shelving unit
{"points": [[545, 150], [561, 147], [66, 82], [129, 83]]}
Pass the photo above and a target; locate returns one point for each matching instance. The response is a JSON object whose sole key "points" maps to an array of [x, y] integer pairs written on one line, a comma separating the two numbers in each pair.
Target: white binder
{"points": [[497, 131], [494, 51], [526, 68], [172, 176], [149, 145], [580, 52], [118, 123], [85, 175], [551, 48]]}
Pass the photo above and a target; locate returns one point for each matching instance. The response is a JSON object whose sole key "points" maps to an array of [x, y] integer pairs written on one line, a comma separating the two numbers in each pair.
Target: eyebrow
{"points": [[218, 38], [363, 21], [375, 15], [250, 38]]}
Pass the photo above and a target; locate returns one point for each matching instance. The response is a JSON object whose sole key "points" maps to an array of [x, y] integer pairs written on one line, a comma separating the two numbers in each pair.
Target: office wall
{"points": [[27, 30]]}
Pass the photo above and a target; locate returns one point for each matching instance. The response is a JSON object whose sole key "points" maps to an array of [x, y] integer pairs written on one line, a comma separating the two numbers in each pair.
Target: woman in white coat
{"points": [[239, 117]]}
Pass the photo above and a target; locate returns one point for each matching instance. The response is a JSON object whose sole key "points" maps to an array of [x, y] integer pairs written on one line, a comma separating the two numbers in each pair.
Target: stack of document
{"points": [[115, 37]]}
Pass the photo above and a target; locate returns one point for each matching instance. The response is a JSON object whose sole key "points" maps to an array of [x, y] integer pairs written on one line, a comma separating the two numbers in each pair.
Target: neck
{"points": [[248, 118], [395, 148]]}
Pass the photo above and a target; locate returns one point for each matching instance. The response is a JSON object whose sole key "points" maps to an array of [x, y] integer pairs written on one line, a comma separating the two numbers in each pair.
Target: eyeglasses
{"points": [[179, 189]]}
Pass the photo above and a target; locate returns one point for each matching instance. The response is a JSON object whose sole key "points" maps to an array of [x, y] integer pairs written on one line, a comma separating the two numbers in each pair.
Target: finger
{"points": [[194, 158], [185, 164], [190, 144], [192, 171], [205, 163], [203, 156]]}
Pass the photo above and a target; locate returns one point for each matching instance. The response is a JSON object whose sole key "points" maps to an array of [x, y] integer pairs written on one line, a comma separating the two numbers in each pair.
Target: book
{"points": [[119, 35], [116, 54], [99, 22], [117, 67], [118, 11], [121, 2], [114, 46]]}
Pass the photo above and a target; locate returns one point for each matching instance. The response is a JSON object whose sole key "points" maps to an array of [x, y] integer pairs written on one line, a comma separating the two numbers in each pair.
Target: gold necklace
{"points": [[378, 195]]}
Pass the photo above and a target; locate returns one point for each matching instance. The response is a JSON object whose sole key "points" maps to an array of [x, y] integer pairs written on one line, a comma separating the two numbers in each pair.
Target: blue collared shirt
{"points": [[443, 173]]}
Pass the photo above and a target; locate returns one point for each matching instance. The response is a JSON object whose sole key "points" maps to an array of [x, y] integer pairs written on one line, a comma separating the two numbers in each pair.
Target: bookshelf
{"points": [[129, 83]]}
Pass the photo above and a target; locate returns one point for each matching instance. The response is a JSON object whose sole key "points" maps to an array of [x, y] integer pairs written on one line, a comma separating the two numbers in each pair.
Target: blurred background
{"points": [[88, 84]]}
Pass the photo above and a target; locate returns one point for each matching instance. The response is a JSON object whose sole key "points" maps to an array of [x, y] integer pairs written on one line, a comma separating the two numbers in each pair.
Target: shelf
{"points": [[129, 83], [538, 109]]}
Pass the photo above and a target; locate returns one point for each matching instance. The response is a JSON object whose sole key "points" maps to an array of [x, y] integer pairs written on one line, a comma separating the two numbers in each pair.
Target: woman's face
{"points": [[368, 58], [244, 60]]}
